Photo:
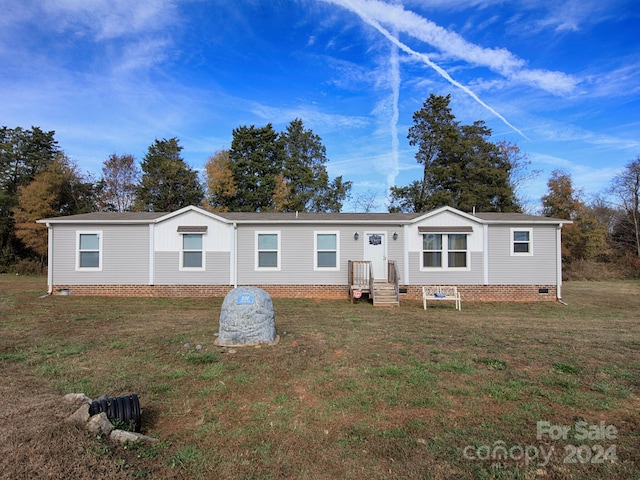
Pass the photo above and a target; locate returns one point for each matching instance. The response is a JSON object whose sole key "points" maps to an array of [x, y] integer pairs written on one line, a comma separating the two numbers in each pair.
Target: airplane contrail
{"points": [[424, 58]]}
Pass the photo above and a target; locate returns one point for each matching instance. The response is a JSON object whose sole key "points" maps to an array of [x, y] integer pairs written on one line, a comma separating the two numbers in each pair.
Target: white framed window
{"points": [[432, 250], [267, 250], [192, 254], [89, 251], [327, 255], [521, 241], [457, 250], [444, 251]]}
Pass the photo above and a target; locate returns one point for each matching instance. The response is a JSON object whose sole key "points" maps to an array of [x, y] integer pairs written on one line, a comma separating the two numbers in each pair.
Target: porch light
{"points": [[395, 235], [356, 236]]}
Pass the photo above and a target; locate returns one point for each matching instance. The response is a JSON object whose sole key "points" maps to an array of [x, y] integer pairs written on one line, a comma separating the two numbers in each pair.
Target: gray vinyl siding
{"points": [[125, 254], [297, 254], [536, 269], [473, 276], [167, 270]]}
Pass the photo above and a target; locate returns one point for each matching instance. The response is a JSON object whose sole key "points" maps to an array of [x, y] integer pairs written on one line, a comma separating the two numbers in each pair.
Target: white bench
{"points": [[441, 292]]}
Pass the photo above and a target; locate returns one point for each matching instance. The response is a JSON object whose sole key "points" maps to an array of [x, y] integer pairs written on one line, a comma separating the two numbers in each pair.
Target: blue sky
{"points": [[561, 78]]}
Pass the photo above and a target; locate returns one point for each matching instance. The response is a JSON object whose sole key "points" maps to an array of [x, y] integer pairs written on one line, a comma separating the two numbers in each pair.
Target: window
{"points": [[89, 251], [444, 250], [267, 253], [326, 251], [457, 250], [432, 250], [192, 252], [521, 242]]}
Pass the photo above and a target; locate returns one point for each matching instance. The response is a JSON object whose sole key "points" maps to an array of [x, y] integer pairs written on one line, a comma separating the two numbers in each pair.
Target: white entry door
{"points": [[375, 250]]}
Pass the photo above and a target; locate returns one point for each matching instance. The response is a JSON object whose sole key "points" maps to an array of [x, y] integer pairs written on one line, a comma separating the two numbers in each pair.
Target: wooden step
{"points": [[384, 295]]}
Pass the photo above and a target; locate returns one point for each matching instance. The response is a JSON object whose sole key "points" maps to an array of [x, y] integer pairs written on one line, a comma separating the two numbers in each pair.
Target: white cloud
{"points": [[109, 19], [499, 60]]}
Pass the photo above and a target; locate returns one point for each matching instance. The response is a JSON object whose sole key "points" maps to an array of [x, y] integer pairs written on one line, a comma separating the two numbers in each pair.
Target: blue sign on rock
{"points": [[245, 299]]}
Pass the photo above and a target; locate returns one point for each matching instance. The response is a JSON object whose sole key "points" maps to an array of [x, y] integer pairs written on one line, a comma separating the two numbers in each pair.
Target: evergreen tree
{"points": [[305, 173], [461, 167], [167, 183], [267, 171], [23, 154], [256, 159]]}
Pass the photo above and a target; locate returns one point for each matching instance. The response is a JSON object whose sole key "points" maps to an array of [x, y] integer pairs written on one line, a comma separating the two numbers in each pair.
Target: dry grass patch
{"points": [[351, 391]]}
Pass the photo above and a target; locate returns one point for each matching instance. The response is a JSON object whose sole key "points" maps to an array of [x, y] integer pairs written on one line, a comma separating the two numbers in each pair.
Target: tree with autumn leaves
{"points": [[269, 171]]}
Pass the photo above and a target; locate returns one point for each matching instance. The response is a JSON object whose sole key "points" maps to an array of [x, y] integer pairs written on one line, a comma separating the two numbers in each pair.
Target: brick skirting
{"points": [[481, 293]]}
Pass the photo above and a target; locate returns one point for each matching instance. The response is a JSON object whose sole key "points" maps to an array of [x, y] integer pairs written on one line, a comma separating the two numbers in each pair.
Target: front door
{"points": [[375, 250]]}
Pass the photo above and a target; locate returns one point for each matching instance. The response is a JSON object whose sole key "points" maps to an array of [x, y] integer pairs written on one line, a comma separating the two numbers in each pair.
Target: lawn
{"points": [[505, 391]]}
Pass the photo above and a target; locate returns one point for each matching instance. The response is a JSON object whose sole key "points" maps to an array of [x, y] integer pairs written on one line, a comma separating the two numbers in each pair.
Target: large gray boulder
{"points": [[247, 318]]}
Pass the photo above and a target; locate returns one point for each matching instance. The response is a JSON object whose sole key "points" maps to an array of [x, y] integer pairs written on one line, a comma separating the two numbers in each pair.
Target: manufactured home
{"points": [[381, 256]]}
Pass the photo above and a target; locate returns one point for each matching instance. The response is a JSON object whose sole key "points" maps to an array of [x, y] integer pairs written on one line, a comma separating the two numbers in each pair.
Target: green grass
{"points": [[350, 391]]}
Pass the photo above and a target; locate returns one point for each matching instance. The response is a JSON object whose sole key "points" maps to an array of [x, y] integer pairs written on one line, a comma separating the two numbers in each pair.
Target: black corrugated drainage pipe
{"points": [[124, 411]]}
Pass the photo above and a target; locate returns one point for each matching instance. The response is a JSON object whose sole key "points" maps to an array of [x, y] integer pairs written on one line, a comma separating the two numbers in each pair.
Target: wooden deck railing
{"points": [[393, 276], [360, 277]]}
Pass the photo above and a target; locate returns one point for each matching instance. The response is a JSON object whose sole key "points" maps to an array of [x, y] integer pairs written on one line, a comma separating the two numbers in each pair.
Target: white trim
{"points": [[316, 268], [89, 232], [278, 251], [512, 242], [444, 267], [203, 258]]}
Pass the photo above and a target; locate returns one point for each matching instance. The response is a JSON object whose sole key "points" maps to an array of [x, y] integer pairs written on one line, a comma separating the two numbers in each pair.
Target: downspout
{"points": [[559, 264], [485, 254], [405, 255], [234, 256], [49, 259], [152, 255]]}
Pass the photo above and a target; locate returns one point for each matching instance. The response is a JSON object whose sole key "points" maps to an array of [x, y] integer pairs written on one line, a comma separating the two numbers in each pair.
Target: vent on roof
{"points": [[193, 229]]}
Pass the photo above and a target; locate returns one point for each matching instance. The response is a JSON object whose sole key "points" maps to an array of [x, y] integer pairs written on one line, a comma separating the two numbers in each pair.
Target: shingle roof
{"points": [[516, 217], [293, 217], [316, 217], [107, 217]]}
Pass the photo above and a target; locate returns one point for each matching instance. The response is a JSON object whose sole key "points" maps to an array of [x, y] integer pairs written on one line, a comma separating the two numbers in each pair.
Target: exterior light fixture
{"points": [[395, 235], [356, 236]]}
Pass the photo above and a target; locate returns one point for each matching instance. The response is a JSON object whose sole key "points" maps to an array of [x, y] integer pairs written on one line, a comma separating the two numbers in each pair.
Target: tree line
{"points": [[265, 170]]}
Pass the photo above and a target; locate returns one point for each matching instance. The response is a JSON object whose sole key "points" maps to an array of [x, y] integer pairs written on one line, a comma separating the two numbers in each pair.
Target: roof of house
{"points": [[296, 217]]}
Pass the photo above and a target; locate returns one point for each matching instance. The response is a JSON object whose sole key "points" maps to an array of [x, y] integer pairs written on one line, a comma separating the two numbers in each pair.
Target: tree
{"points": [[585, 238], [305, 173], [625, 187], [365, 202], [23, 154], [220, 183], [461, 167], [520, 174], [256, 159], [58, 190], [167, 183], [269, 171], [117, 187], [434, 126], [561, 200]]}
